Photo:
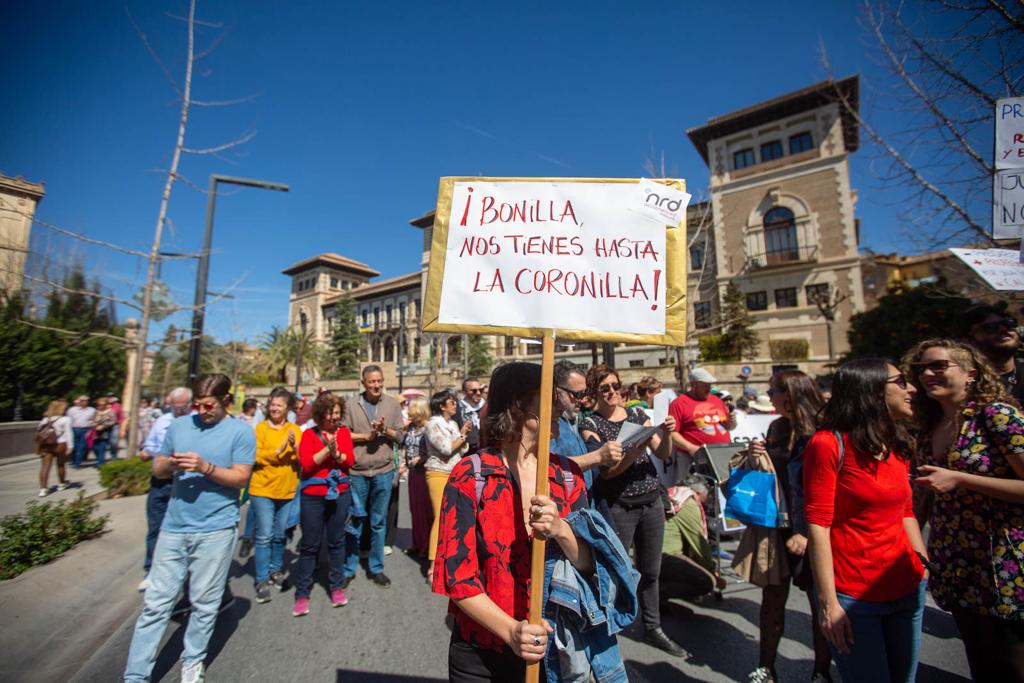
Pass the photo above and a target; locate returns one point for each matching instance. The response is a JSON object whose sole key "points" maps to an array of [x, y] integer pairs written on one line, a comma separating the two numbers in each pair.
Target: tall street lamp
{"points": [[302, 343], [195, 345]]}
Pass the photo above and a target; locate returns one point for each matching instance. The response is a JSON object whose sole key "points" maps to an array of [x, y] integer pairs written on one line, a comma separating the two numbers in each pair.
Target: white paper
{"points": [[1000, 268], [553, 255], [661, 204], [1010, 133], [632, 434], [1008, 204]]}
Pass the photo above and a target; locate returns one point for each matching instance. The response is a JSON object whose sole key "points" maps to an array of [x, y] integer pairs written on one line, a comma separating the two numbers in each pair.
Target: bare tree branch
{"points": [[196, 22], [246, 137], [84, 336], [225, 103], [153, 53]]}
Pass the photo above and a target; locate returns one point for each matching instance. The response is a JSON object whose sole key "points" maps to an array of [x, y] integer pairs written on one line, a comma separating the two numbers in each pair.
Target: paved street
{"points": [[19, 483], [381, 635]]}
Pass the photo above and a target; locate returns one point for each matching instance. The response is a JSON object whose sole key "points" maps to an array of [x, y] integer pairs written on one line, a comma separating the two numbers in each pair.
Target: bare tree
{"points": [[948, 62]]}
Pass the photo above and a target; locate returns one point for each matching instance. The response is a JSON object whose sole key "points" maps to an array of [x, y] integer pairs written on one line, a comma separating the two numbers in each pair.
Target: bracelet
{"points": [[209, 471]]}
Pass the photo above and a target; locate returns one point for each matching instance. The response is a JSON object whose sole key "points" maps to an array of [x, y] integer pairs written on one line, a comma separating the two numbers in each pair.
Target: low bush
{"points": [[789, 349], [126, 477], [44, 532]]}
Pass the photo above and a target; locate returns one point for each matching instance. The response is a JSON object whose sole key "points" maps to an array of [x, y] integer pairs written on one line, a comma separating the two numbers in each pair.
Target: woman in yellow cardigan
{"points": [[272, 487]]}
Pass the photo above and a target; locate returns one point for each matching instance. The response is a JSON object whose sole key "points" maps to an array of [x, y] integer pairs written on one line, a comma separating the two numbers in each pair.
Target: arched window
{"points": [[375, 357], [389, 350], [780, 236]]}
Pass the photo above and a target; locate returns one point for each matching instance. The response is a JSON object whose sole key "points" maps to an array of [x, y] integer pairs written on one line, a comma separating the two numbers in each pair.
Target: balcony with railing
{"points": [[784, 256]]}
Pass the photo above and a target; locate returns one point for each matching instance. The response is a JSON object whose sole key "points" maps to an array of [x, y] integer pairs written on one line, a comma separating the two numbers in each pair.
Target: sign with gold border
{"points": [[674, 265]]}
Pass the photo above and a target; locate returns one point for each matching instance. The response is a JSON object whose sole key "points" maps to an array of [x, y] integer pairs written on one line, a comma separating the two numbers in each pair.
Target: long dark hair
{"points": [[511, 389], [805, 403], [858, 408]]}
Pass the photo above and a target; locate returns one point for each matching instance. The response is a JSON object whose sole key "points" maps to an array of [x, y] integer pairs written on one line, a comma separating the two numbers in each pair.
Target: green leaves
{"points": [[44, 532]]}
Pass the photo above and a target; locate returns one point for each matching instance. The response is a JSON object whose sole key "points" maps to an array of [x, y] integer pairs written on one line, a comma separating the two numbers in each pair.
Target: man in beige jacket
{"points": [[375, 421]]}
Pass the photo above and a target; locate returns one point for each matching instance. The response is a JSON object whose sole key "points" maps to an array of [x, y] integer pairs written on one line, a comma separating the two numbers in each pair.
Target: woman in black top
{"points": [[630, 488]]}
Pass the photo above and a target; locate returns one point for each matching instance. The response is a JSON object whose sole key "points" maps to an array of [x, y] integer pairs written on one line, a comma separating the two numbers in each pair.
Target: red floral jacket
{"points": [[486, 548]]}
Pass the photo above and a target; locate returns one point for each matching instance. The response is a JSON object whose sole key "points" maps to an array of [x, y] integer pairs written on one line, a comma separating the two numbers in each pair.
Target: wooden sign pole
{"points": [[543, 456]]}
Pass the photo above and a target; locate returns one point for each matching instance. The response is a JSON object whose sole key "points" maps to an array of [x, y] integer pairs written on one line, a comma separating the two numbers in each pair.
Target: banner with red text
{"points": [[590, 258]]}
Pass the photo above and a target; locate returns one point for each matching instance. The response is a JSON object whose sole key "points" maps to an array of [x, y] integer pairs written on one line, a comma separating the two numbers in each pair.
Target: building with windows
{"points": [[18, 201], [317, 280], [782, 215]]}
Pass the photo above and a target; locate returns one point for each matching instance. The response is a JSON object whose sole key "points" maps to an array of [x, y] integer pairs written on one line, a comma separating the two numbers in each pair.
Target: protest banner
{"points": [[1001, 269], [1010, 133], [581, 259]]}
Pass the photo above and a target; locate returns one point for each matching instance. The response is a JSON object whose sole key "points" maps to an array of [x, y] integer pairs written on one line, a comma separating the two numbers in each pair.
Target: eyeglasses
{"points": [[610, 386], [206, 405], [997, 325], [774, 392], [474, 391], [937, 367], [899, 380], [575, 395]]}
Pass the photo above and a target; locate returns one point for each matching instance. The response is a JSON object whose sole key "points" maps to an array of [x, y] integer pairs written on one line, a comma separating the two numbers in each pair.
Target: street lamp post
{"points": [[195, 344]]}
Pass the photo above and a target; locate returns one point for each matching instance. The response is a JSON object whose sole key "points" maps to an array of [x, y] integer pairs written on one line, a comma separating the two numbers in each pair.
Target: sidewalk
{"points": [[57, 615], [19, 483]]}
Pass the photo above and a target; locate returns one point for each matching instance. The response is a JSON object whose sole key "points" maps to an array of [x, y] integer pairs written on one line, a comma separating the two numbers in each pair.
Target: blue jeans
{"points": [[205, 559], [250, 523], [374, 493], [318, 514], [115, 437], [99, 447], [886, 637], [157, 500], [80, 446], [270, 515]]}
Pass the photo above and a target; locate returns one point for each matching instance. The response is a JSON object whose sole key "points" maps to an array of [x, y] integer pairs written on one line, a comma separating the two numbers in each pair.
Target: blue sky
{"points": [[361, 107]]}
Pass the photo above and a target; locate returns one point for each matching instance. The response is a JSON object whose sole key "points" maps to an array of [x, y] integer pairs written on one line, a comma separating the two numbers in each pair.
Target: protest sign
{"points": [[1010, 133], [1008, 204], [1000, 268], [570, 255]]}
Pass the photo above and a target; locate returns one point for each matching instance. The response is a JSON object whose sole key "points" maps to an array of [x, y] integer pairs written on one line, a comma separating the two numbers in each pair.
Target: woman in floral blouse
{"points": [[973, 442]]}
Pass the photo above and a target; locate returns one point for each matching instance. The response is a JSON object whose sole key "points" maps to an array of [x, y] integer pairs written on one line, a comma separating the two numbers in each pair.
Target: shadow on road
{"points": [[346, 676], [939, 624], [934, 674], [227, 623]]}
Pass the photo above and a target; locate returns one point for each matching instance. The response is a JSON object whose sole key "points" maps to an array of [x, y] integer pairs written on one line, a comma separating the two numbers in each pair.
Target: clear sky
{"points": [[361, 107]]}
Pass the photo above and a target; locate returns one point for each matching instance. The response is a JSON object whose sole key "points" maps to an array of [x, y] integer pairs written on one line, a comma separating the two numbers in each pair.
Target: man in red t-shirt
{"points": [[701, 417]]}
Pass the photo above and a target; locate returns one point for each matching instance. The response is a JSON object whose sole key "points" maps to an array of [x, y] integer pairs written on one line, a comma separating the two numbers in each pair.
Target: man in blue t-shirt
{"points": [[210, 457]]}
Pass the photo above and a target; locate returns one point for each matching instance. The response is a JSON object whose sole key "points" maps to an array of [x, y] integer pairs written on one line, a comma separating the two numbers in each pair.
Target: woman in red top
{"points": [[325, 454], [483, 550], [865, 544]]}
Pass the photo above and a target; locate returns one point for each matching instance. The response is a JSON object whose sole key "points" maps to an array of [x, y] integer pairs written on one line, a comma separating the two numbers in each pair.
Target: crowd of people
{"points": [[888, 447]]}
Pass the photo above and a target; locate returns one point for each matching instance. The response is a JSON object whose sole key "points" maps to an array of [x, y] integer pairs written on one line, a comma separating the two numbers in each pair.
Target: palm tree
{"points": [[281, 347]]}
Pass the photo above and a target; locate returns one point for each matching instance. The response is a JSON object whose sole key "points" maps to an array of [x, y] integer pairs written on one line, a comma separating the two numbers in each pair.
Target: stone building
{"points": [[18, 201], [314, 281], [783, 213]]}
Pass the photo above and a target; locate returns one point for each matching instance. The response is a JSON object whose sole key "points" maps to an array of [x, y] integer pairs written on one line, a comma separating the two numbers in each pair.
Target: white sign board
{"points": [[1010, 133], [1000, 268], [540, 254], [1008, 204], [751, 426]]}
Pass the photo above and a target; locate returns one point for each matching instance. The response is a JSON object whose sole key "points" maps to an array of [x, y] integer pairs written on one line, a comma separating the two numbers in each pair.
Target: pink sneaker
{"points": [[338, 598], [301, 607]]}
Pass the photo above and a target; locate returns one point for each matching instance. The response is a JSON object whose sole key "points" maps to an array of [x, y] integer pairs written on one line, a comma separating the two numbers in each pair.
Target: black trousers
{"points": [[644, 527], [995, 647], [468, 664]]}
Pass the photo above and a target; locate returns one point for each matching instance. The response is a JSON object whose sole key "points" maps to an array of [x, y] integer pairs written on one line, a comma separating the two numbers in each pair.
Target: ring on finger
{"points": [[536, 641]]}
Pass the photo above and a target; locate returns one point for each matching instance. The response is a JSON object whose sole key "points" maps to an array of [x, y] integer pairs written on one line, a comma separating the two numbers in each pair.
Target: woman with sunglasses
{"points": [[797, 400], [632, 491], [446, 443], [865, 544], [972, 440]]}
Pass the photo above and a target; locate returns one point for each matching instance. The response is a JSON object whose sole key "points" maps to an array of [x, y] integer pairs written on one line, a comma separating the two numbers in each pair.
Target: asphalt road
{"points": [[398, 634]]}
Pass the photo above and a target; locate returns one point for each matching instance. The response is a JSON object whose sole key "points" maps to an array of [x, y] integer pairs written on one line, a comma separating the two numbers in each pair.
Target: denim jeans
{"points": [[886, 637], [204, 558], [374, 493], [250, 523], [318, 513], [270, 515], [643, 526], [115, 438], [99, 447], [157, 499], [81, 448]]}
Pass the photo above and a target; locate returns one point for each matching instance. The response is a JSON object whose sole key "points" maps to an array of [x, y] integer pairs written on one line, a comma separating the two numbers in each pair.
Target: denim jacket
{"points": [[333, 481], [795, 472], [586, 614]]}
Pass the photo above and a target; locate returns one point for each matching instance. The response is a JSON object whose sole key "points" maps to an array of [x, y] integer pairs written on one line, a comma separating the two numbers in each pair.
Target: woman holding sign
{"points": [[631, 489], [488, 514]]}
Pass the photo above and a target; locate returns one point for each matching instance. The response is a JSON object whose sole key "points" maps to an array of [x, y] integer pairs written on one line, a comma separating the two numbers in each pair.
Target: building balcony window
{"points": [[784, 257]]}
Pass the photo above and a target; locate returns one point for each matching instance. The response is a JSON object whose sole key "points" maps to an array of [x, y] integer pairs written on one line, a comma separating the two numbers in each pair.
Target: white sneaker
{"points": [[43, 493], [193, 672], [63, 486], [144, 584], [387, 550]]}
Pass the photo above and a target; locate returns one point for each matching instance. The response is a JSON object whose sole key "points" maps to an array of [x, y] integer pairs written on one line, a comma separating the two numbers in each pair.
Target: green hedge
{"points": [[789, 349], [44, 532], [126, 477]]}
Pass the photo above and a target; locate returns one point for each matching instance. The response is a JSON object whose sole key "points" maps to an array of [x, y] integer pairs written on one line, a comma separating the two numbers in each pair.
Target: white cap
{"points": [[701, 375]]}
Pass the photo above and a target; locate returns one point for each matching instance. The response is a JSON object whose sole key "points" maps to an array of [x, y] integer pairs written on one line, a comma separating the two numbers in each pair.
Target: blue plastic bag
{"points": [[750, 497]]}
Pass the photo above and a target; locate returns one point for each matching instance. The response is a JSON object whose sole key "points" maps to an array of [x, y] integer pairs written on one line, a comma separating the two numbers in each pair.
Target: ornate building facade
{"points": [[18, 201]]}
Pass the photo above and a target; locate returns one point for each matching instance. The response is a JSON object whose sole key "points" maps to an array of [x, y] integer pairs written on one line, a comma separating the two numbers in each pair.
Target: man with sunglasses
{"points": [[570, 390], [996, 335], [210, 457], [469, 408]]}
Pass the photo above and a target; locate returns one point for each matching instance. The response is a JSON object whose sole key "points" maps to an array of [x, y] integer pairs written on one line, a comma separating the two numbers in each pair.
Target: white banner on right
{"points": [[1000, 268]]}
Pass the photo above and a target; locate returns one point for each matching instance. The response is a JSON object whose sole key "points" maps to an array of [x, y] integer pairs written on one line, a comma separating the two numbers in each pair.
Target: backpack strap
{"points": [[478, 476], [839, 439], [567, 476]]}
